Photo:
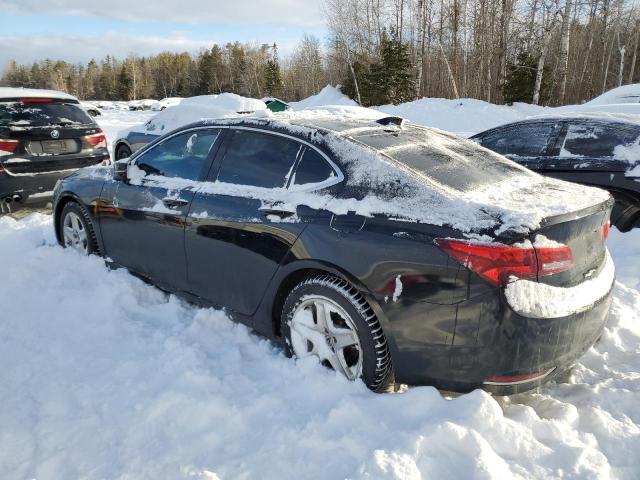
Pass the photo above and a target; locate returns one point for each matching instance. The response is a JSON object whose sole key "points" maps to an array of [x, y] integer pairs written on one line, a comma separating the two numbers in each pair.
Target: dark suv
{"points": [[44, 135]]}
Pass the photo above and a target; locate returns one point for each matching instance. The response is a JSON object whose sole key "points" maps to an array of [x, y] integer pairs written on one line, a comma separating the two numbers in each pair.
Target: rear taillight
{"points": [[97, 140], [501, 264], [606, 228], [8, 146]]}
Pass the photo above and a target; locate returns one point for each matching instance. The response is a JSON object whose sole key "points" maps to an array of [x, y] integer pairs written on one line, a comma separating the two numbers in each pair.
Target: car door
{"points": [[142, 219], [525, 143], [245, 220]]}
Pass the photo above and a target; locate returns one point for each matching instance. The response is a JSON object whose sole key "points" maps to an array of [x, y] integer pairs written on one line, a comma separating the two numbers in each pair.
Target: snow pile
{"points": [[329, 95], [465, 116], [107, 377]]}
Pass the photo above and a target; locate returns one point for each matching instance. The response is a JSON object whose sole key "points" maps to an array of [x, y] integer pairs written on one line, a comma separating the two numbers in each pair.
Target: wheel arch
{"points": [[65, 198], [297, 271]]}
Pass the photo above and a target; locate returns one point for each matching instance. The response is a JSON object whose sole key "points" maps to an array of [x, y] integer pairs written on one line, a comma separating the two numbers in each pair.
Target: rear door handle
{"points": [[174, 202], [266, 211]]}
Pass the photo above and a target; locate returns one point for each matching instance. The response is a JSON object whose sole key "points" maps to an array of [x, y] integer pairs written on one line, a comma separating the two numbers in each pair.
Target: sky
{"points": [[79, 30]]}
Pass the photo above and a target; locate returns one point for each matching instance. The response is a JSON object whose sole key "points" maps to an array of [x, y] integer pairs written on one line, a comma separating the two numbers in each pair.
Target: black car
{"points": [[592, 149], [44, 135], [390, 251]]}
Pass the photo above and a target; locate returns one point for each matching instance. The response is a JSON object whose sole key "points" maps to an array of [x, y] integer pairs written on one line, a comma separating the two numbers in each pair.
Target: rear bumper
{"points": [[490, 339], [27, 184]]}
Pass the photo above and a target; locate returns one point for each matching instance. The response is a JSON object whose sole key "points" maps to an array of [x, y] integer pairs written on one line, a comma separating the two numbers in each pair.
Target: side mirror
{"points": [[120, 170]]}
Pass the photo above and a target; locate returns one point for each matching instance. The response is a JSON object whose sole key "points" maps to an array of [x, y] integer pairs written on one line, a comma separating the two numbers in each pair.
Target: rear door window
{"points": [[259, 159], [525, 140], [584, 140], [312, 169], [180, 156], [15, 114]]}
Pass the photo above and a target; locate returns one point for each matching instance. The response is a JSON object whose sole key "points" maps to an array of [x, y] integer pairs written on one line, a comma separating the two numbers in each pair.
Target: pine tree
{"points": [[125, 83], [273, 79], [520, 78]]}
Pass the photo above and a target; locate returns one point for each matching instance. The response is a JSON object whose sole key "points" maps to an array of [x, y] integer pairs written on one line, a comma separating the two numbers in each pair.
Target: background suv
{"points": [[44, 135]]}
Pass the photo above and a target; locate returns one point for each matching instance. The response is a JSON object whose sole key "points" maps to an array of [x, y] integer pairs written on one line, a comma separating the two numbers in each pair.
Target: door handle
{"points": [[174, 202], [266, 211]]}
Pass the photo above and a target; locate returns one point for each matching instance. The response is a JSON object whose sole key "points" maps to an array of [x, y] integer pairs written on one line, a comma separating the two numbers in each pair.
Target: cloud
{"points": [[303, 13], [83, 48]]}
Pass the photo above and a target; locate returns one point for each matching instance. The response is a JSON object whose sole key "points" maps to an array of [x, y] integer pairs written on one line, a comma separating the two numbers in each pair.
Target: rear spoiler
{"points": [[43, 99]]}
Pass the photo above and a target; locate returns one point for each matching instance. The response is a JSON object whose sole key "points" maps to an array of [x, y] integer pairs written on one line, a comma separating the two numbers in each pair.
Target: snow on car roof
{"points": [[516, 203], [11, 92], [602, 116], [623, 94]]}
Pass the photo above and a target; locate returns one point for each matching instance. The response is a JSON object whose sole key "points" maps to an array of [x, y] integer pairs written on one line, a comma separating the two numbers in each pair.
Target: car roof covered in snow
{"points": [[11, 92]]}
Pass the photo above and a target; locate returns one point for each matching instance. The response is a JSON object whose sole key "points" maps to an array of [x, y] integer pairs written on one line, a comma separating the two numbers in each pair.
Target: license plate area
{"points": [[53, 147]]}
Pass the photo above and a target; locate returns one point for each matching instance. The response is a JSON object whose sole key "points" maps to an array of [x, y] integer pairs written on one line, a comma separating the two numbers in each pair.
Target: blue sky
{"points": [[78, 30]]}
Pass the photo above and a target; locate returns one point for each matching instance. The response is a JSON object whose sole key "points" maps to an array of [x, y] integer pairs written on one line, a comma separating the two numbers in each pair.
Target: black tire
{"points": [[84, 218], [122, 152], [377, 370]]}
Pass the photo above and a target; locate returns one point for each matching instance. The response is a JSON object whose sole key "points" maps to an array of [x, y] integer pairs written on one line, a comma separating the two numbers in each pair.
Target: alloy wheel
{"points": [[322, 328], [74, 233]]}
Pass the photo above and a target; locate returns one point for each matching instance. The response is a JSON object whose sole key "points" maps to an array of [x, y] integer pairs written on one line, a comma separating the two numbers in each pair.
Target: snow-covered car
{"points": [[144, 104], [595, 149], [91, 108], [624, 94], [165, 103], [44, 135], [390, 252], [189, 110]]}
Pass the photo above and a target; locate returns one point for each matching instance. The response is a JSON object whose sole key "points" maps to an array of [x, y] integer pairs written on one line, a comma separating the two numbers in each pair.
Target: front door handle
{"points": [[174, 202]]}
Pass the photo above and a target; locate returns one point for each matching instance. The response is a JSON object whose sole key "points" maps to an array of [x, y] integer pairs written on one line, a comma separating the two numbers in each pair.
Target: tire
{"points": [[76, 229], [312, 324], [122, 152]]}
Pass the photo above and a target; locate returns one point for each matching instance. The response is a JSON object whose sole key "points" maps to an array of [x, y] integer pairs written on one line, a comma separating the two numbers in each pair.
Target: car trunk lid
{"points": [[584, 232]]}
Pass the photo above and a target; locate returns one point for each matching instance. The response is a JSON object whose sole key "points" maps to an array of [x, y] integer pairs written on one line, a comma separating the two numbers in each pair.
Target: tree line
{"points": [[390, 51]]}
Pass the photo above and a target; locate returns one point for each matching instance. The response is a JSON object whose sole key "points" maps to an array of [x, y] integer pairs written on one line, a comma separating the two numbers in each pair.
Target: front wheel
{"points": [[325, 317], [76, 229], [123, 152]]}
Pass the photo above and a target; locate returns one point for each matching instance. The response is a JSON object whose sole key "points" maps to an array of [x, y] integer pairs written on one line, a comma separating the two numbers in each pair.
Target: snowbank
{"points": [[106, 377], [329, 95]]}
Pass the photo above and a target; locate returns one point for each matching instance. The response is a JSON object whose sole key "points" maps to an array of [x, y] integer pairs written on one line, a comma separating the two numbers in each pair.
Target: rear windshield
{"points": [[16, 114], [446, 159]]}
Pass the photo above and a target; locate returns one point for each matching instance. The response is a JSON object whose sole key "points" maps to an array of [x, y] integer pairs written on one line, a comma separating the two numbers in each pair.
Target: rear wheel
{"points": [[76, 229], [123, 152], [326, 317]]}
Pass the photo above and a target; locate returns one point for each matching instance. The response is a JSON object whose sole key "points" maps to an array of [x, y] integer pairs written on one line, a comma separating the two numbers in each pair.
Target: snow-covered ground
{"points": [[105, 377]]}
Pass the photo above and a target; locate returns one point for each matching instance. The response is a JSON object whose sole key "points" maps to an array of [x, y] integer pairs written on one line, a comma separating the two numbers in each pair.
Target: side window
{"points": [[180, 156], [529, 140], [312, 168], [259, 159], [595, 140]]}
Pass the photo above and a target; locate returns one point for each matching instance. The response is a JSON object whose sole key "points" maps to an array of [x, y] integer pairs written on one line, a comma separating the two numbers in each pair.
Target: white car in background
{"points": [[166, 102], [144, 104], [91, 108]]}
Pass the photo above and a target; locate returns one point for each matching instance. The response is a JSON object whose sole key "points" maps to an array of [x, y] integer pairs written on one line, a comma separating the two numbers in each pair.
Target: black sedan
{"points": [[391, 252], [593, 149]]}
